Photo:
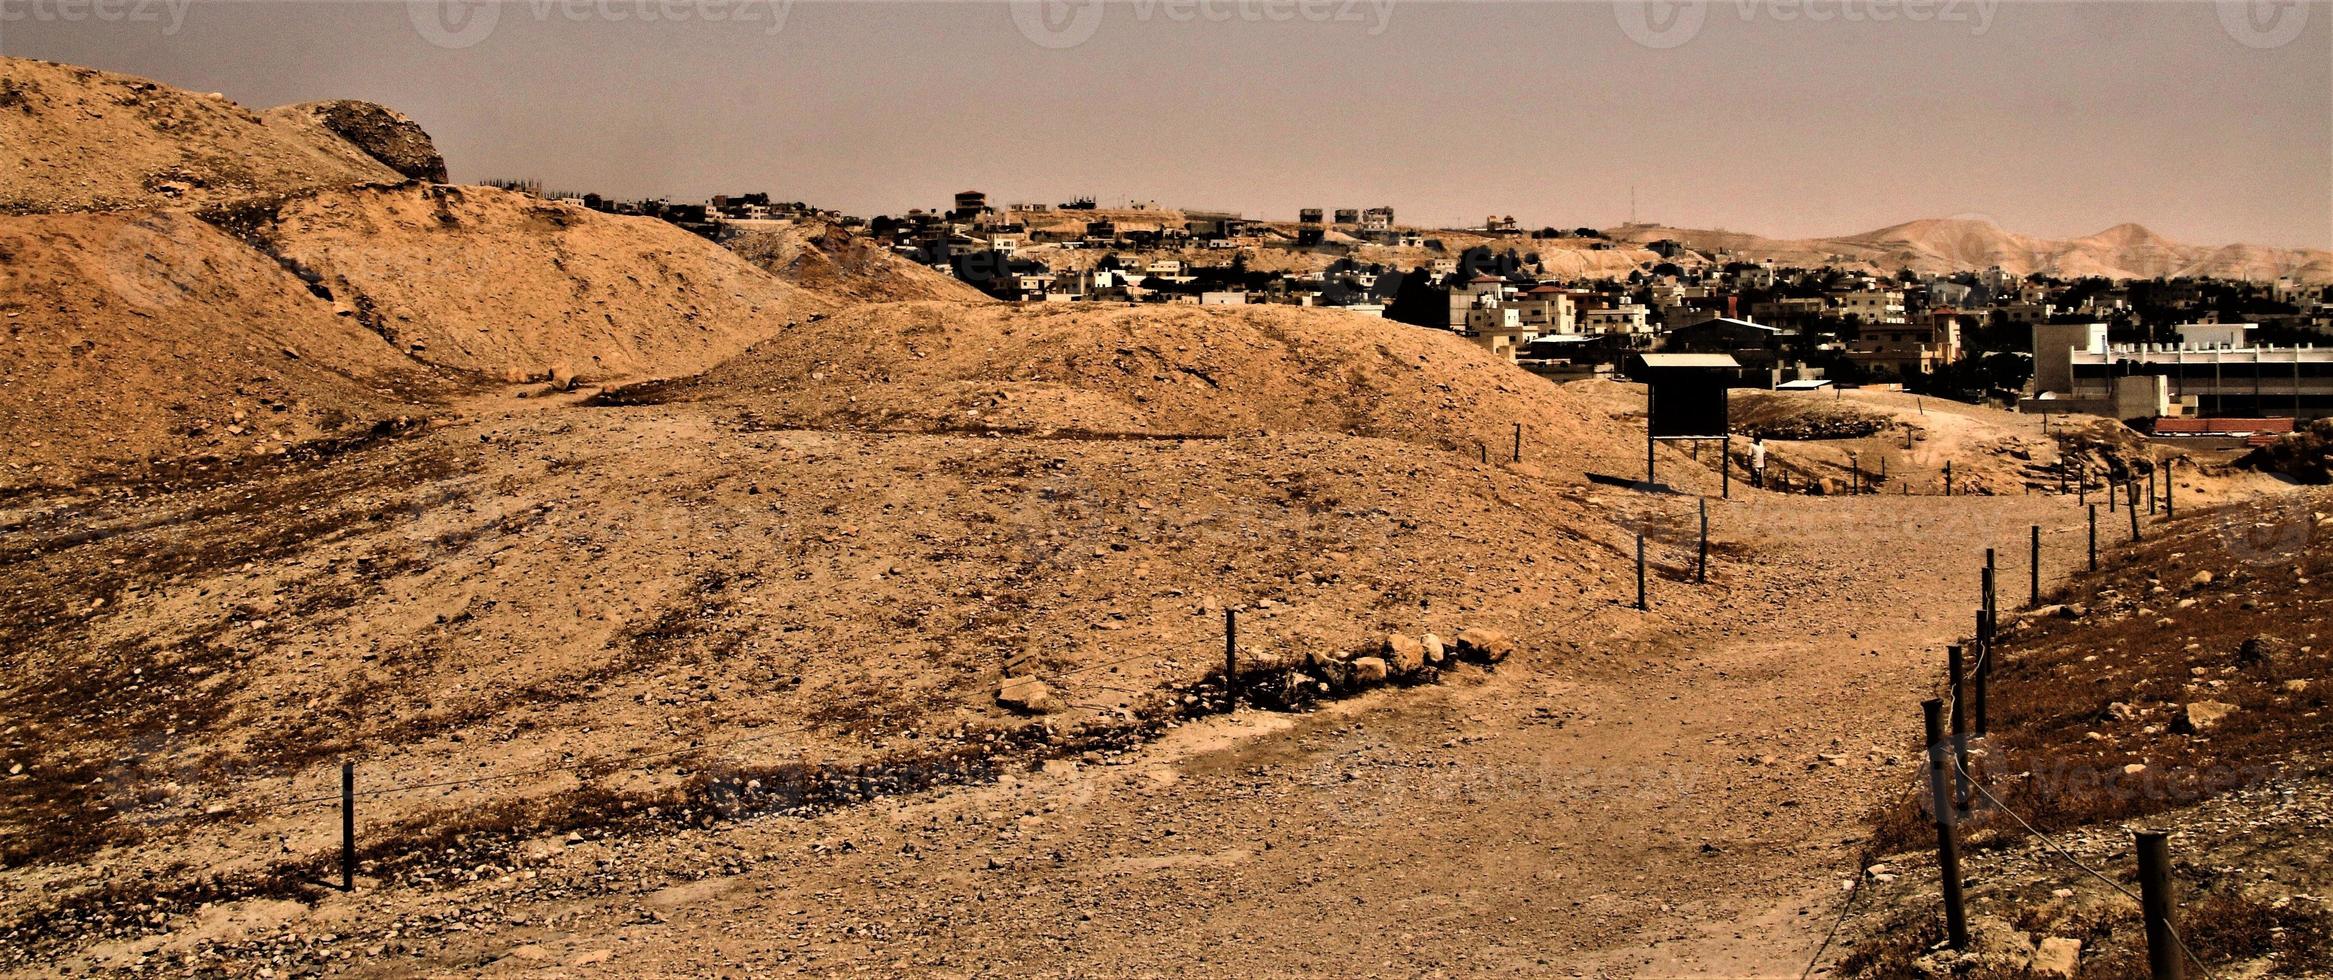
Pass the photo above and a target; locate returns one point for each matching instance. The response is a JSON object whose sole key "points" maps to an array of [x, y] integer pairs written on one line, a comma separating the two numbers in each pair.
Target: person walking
{"points": [[1758, 460]]}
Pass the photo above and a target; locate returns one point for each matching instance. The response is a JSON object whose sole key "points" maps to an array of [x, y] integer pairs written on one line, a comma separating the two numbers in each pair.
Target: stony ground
{"points": [[1679, 794]]}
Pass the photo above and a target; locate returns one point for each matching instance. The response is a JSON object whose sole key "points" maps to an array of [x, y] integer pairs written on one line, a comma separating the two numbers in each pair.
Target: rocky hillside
{"points": [[383, 133], [141, 335], [504, 285], [78, 139]]}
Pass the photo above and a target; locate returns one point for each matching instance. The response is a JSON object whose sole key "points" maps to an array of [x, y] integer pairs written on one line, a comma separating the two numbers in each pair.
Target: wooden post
{"points": [[1956, 667], [1948, 478], [1485, 449], [2155, 905], [1987, 594], [1640, 596], [1984, 673], [1230, 659], [2134, 511], [1649, 478], [1518, 442], [2151, 489], [1947, 844], [1725, 468], [2111, 486], [2093, 537], [2170, 476], [2082, 486], [1701, 567], [347, 826]]}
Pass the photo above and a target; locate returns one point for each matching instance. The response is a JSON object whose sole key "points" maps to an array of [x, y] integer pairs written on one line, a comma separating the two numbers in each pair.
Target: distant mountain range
{"points": [[1944, 245]]}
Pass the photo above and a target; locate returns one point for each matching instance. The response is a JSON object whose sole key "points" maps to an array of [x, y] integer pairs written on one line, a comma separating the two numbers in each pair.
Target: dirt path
{"points": [[1675, 798]]}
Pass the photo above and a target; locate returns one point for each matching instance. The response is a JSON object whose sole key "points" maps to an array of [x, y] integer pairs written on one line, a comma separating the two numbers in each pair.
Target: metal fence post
{"points": [[1230, 658], [1640, 596], [1701, 567], [1947, 844], [2093, 537], [347, 826], [2134, 511], [2034, 590], [2155, 902]]}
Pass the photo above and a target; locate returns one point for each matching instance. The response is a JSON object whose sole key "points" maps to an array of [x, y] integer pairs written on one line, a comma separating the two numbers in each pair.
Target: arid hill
{"points": [[1154, 371], [137, 335], [508, 286], [830, 260], [267, 281], [1944, 245], [536, 587], [78, 139]]}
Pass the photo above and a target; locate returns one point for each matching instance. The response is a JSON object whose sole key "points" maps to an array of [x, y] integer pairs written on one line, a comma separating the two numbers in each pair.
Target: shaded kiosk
{"points": [[1685, 401]]}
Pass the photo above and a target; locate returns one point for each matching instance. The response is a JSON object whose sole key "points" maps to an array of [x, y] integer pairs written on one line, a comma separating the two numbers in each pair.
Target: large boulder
{"points": [[1028, 696], [2057, 956], [2203, 716], [1486, 645], [1405, 655]]}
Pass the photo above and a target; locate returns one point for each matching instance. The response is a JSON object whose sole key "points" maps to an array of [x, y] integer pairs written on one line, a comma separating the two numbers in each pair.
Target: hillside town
{"points": [[2133, 349]]}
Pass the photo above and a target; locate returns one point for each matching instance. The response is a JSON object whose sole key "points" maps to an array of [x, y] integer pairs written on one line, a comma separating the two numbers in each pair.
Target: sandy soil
{"points": [[1664, 793]]}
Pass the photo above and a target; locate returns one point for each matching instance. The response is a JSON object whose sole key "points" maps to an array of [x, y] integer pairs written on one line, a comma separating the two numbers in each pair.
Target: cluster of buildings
{"points": [[2123, 349], [1348, 225]]}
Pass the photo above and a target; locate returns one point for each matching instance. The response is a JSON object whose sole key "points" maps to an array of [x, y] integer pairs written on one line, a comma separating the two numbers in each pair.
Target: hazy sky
{"points": [[2208, 122]]}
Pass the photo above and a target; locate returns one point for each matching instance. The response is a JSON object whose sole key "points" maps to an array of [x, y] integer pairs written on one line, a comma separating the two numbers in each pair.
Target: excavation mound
{"points": [[141, 335], [826, 258], [1102, 372], [505, 285], [78, 139]]}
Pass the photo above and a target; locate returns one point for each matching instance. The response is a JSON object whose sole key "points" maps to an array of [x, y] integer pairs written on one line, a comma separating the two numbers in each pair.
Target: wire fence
{"points": [[1691, 556], [1953, 754]]}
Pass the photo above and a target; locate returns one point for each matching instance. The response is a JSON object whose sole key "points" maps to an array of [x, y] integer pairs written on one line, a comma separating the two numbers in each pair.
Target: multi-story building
{"points": [[1904, 350], [1880, 306]]}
